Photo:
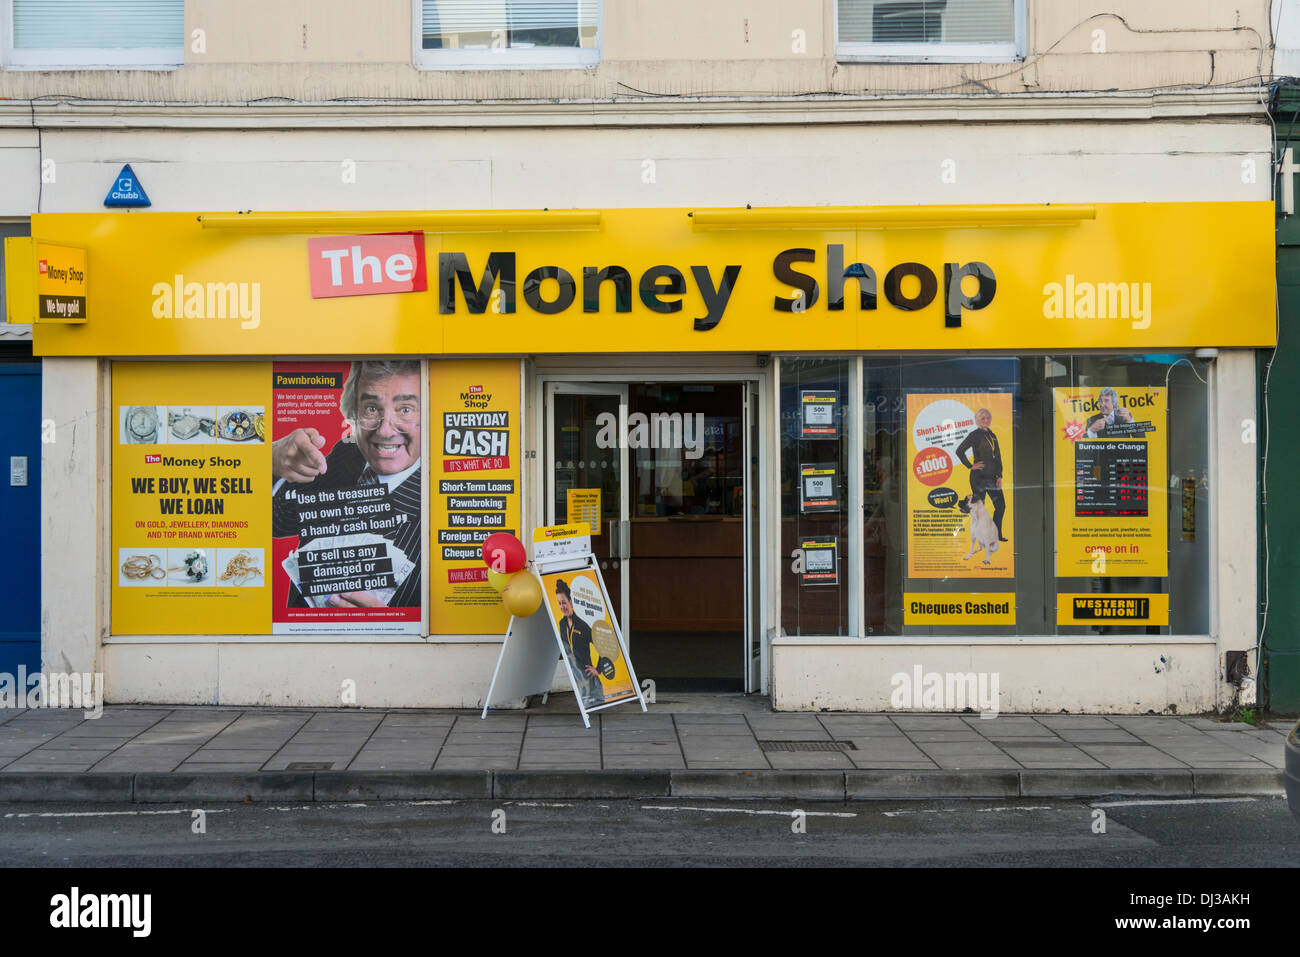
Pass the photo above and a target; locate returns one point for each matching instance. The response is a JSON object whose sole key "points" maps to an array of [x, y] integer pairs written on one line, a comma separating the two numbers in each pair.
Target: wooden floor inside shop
{"points": [[689, 661]]}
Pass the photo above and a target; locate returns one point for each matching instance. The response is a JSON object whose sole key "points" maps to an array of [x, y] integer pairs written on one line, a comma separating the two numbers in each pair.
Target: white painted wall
{"points": [[1044, 676], [888, 164]]}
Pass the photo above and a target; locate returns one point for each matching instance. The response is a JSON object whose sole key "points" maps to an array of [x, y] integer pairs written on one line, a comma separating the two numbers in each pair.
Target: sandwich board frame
{"points": [[526, 664]]}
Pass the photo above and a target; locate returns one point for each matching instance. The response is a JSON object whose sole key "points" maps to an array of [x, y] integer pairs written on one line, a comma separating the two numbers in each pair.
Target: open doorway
{"points": [[670, 468]]}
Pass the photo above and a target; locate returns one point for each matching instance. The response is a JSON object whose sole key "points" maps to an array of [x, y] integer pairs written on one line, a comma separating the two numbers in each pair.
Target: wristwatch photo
{"points": [[141, 424]]}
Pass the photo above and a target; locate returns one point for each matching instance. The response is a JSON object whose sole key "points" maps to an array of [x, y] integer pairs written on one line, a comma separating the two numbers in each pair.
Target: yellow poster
{"points": [[943, 608], [959, 486], [1111, 482], [191, 469], [60, 283], [1095, 609], [580, 609], [474, 416], [584, 506]]}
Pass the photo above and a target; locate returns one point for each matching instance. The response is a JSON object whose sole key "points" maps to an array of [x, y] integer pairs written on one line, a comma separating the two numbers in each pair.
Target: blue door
{"points": [[20, 506]]}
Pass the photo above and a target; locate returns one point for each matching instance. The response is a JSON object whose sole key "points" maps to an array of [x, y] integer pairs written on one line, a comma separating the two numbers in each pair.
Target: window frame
{"points": [[1011, 52], [88, 58], [544, 58]]}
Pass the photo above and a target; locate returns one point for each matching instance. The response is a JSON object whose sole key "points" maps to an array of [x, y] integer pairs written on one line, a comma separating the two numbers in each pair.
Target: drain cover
{"points": [[310, 766], [808, 746]]}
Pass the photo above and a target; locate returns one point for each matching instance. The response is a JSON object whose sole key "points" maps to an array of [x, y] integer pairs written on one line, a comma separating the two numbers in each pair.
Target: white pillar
{"points": [[74, 542], [1236, 500]]}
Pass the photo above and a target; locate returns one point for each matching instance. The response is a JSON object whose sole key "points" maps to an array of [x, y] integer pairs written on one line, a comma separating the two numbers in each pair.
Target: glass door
{"points": [[586, 476], [750, 512]]}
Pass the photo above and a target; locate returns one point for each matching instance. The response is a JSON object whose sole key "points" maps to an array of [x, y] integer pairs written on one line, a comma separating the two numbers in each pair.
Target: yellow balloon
{"points": [[499, 580], [523, 594]]}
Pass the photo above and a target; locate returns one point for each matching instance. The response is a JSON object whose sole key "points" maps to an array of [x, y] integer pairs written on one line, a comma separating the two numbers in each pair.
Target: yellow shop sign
{"points": [[1016, 278]]}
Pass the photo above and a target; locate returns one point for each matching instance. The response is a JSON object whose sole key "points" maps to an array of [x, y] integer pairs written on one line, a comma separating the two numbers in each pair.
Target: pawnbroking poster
{"points": [[959, 486], [345, 499], [1112, 482]]}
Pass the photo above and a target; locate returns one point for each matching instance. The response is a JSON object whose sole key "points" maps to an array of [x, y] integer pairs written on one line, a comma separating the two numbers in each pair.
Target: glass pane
{"points": [[815, 418], [581, 463], [927, 21], [98, 24], [509, 24]]}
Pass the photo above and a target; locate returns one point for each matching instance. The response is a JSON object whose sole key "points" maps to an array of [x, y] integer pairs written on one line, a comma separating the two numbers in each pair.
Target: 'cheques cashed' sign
{"points": [[661, 280]]}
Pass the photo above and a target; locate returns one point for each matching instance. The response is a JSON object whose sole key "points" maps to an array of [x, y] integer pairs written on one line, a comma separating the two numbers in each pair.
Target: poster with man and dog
{"points": [[959, 485]]}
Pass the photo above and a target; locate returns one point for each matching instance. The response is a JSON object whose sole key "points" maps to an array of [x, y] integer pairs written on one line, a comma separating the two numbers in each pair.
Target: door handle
{"points": [[624, 539]]}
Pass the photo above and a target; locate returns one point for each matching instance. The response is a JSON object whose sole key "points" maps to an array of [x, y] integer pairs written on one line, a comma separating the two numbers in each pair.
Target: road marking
{"points": [[224, 810], [535, 804], [1175, 801], [743, 810], [956, 810]]}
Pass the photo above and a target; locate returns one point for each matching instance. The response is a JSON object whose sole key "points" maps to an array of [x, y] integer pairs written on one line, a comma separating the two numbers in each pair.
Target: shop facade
{"points": [[821, 447]]}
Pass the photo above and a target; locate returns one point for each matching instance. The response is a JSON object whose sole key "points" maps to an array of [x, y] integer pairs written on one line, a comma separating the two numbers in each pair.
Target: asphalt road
{"points": [[1210, 833]]}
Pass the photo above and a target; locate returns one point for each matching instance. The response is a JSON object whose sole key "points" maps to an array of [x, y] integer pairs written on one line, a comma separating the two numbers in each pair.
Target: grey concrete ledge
{"points": [[612, 785], [738, 785], [18, 786], [1238, 781], [929, 785], [787, 785], [159, 788], [402, 785], [1100, 782]]}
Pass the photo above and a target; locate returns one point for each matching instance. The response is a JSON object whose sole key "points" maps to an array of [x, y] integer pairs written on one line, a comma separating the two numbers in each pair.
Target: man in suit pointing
{"points": [[382, 401]]}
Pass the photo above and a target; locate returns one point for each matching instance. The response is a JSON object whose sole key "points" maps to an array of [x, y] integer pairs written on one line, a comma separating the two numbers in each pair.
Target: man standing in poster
{"points": [[986, 469], [381, 401]]}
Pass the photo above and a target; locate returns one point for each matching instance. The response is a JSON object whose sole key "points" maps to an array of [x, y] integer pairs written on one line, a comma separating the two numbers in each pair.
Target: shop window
{"points": [[1051, 495], [816, 425], [482, 34], [103, 34], [929, 30]]}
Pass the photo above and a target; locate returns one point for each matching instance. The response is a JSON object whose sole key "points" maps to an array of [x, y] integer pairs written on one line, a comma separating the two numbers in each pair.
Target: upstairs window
{"points": [[95, 34], [512, 34], [935, 31]]}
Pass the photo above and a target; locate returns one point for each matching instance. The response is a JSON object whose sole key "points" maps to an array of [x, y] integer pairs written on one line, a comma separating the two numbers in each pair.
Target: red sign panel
{"points": [[366, 265]]}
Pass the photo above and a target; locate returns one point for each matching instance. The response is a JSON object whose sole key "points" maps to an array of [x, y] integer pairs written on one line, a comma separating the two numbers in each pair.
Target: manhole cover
{"points": [[310, 766], [808, 746]]}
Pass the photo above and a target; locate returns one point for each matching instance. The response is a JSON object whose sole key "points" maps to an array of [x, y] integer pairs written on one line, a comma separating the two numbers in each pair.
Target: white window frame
{"points": [[87, 58], [544, 58], [1012, 52]]}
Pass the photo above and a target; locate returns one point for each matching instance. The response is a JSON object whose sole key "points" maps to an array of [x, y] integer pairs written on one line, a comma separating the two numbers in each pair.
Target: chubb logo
{"points": [[179, 299], [1098, 300]]}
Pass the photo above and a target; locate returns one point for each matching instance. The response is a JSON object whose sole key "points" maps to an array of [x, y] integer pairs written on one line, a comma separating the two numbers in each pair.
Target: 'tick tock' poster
{"points": [[1112, 482]]}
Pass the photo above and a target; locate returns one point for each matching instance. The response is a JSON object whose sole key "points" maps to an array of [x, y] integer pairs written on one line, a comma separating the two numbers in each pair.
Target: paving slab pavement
{"points": [[686, 745]]}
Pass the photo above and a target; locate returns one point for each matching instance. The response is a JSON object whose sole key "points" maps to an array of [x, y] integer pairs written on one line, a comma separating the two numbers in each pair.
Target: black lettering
{"points": [[533, 290], [591, 280], [453, 268], [957, 300], [714, 298], [836, 274], [651, 290], [782, 268], [894, 286]]}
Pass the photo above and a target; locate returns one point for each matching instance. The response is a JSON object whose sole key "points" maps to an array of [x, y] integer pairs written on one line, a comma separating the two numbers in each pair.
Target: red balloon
{"points": [[502, 552]]}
